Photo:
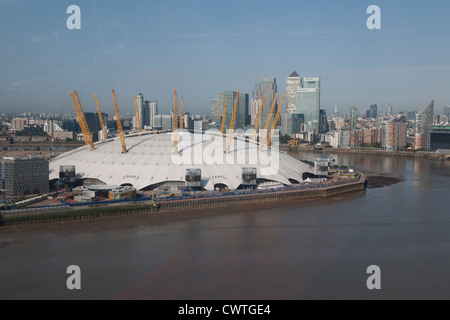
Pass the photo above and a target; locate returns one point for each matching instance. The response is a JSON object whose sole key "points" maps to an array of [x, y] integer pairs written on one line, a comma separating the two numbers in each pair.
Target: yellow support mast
{"points": [[119, 123], [175, 123], [79, 118], [233, 121], [257, 119], [138, 119], [275, 121], [266, 128], [224, 116], [181, 113], [100, 118], [85, 128]]}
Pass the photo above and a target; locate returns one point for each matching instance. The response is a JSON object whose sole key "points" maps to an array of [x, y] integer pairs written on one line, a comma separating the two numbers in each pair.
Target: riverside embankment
{"points": [[190, 204], [416, 154]]}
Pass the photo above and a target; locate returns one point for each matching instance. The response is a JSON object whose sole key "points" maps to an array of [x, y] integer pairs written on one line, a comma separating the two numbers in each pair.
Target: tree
{"points": [[285, 139]]}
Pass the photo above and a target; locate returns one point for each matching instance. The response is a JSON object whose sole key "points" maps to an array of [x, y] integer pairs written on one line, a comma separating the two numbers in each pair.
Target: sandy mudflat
{"points": [[380, 180]]}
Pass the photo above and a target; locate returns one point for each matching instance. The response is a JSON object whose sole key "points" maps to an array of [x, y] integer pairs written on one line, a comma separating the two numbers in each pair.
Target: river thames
{"points": [[318, 249]]}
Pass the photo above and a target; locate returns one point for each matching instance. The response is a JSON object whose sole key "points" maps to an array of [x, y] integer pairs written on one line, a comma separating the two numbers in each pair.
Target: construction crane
{"points": [[266, 127], [175, 123], [119, 124], [233, 121], [83, 124], [275, 122], [181, 113], [258, 118], [224, 115], [293, 142], [138, 119], [100, 118]]}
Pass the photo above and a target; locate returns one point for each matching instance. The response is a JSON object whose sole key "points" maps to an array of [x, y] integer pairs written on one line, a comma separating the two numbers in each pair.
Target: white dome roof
{"points": [[150, 160]]}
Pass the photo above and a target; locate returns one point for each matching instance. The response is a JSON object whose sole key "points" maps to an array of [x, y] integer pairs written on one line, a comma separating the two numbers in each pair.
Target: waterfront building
{"points": [[24, 176], [424, 126], [440, 138], [149, 165], [393, 135], [293, 83]]}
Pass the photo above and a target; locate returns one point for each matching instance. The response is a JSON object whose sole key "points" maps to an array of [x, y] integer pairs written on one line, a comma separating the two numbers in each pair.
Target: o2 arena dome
{"points": [[152, 161]]}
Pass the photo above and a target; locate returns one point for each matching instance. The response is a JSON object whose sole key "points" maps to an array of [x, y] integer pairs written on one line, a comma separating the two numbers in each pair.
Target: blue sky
{"points": [[204, 47]]}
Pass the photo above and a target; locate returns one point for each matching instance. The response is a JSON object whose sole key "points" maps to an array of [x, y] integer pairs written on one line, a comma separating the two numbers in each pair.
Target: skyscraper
{"points": [[267, 87], [293, 83], [145, 120], [140, 105], [153, 111], [372, 112], [242, 113], [353, 118], [424, 126], [255, 105], [323, 123], [215, 116], [390, 110], [308, 102]]}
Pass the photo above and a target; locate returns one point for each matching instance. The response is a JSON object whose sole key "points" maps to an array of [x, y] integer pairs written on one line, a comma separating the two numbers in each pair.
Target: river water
{"points": [[308, 250]]}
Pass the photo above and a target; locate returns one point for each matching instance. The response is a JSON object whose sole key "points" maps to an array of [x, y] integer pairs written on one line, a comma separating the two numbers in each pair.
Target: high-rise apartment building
{"points": [[153, 111], [254, 109], [293, 83], [393, 135], [18, 124], [424, 126], [141, 111], [215, 116]]}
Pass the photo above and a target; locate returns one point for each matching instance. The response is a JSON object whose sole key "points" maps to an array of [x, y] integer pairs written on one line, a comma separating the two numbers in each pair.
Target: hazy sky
{"points": [[204, 47]]}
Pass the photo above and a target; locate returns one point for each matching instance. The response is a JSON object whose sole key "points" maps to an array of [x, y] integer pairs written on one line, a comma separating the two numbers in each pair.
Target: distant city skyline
{"points": [[201, 48]]}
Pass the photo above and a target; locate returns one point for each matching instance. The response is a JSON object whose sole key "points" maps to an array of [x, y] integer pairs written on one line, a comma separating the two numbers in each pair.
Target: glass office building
{"points": [[242, 112]]}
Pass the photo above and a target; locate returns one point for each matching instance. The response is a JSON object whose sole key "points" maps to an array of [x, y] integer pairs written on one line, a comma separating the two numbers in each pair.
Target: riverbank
{"points": [[380, 180], [420, 154], [280, 197]]}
